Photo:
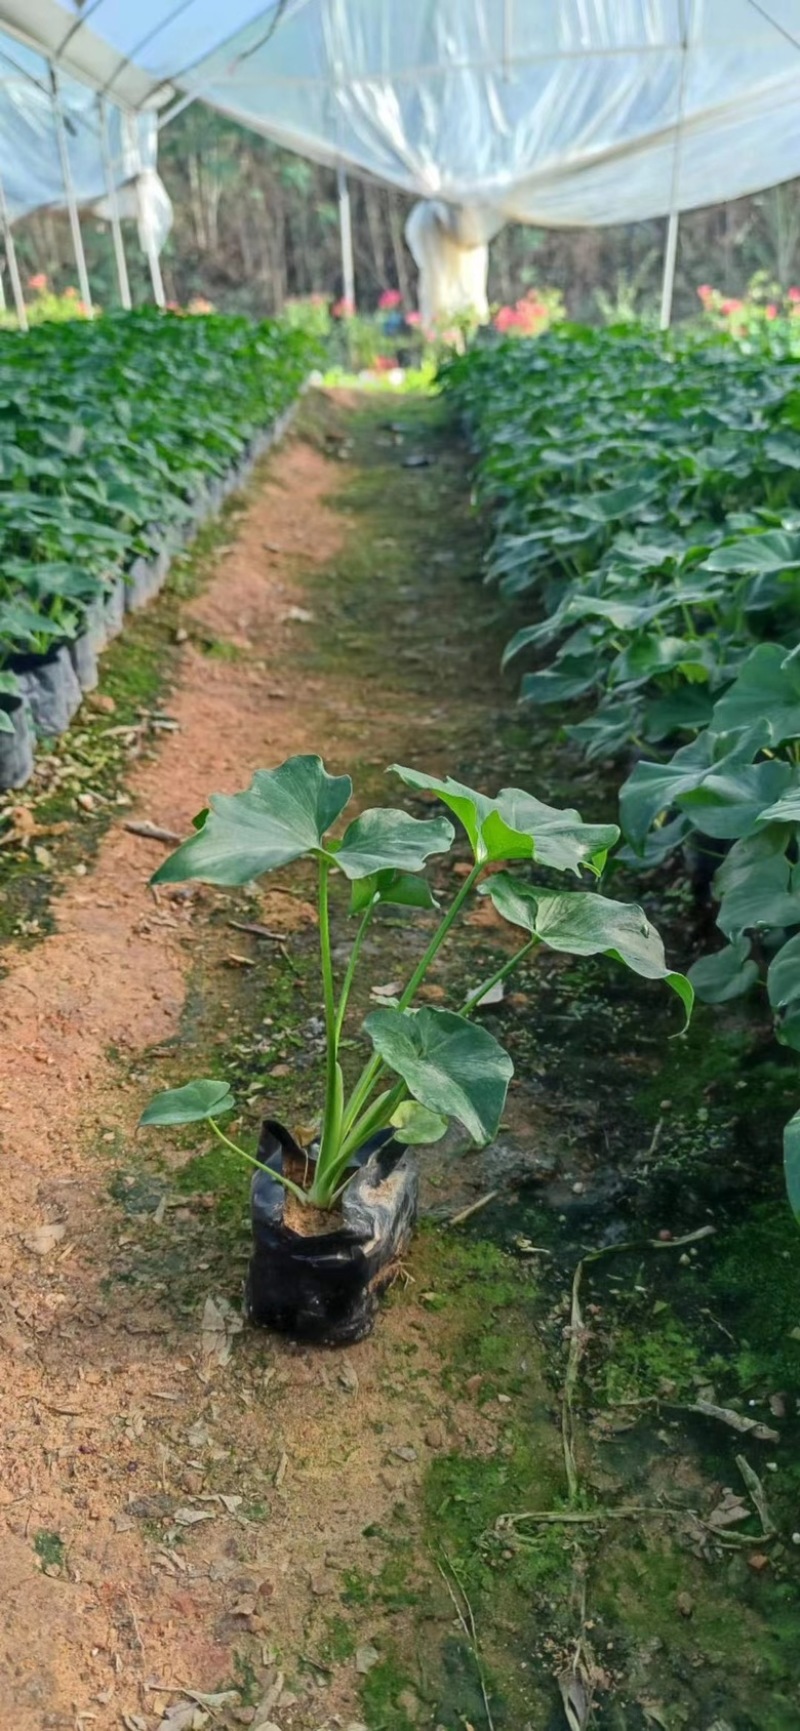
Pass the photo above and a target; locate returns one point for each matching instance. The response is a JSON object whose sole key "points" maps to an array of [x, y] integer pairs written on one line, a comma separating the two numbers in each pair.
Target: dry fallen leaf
{"points": [[45, 1238], [219, 1327]]}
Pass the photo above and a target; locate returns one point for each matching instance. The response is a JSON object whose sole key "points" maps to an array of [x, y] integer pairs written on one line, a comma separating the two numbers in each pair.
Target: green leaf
{"points": [[755, 885], [448, 1063], [587, 925], [783, 990], [283, 816], [515, 825], [560, 837], [791, 1163], [755, 555], [727, 974], [764, 698], [728, 804], [418, 1124], [398, 889], [384, 840], [653, 788], [189, 1104]]}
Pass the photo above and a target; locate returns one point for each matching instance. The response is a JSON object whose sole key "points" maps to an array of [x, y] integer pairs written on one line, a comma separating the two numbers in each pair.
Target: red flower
{"points": [[414, 318], [343, 309], [705, 292], [730, 306], [793, 294], [505, 319], [390, 299], [771, 311], [38, 283]]}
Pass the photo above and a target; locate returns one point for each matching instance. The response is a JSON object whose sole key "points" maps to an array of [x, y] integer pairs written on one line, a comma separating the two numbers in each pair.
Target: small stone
{"points": [[685, 1604], [321, 1585], [101, 704], [181, 635], [366, 1658], [665, 1235], [758, 1562], [410, 1705], [504, 1399], [80, 870], [473, 1383], [435, 1436], [281, 1070], [405, 1453], [578, 1189]]}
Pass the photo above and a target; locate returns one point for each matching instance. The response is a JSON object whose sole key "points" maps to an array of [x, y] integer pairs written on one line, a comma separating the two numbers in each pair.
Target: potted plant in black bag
{"points": [[358, 1182]]}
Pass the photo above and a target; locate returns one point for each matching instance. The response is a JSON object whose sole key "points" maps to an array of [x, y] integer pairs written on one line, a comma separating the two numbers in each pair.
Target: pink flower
{"points": [[343, 309], [389, 299], [730, 306], [705, 292], [70, 294], [38, 283], [793, 294], [771, 311], [415, 318], [505, 319]]}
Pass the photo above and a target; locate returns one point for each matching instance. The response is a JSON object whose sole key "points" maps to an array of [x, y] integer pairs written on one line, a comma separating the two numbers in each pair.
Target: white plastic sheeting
{"points": [[30, 163], [550, 111]]}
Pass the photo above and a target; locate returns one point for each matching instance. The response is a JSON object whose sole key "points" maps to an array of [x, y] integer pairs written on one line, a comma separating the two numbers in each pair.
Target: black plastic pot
{"points": [[16, 749], [325, 1288]]}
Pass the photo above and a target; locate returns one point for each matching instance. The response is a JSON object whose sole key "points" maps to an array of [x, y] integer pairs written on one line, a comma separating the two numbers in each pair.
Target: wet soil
{"points": [[202, 1525]]}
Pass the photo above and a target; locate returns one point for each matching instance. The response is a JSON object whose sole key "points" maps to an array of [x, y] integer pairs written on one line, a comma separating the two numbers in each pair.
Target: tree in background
{"points": [[255, 224]]}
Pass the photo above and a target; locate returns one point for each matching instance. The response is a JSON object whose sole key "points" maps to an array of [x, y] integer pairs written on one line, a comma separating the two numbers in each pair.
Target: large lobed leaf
{"points": [[588, 925], [516, 826], [448, 1063], [284, 815]]}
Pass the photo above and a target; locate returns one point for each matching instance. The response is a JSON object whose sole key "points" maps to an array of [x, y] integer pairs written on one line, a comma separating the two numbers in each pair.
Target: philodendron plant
{"points": [[427, 1065]]}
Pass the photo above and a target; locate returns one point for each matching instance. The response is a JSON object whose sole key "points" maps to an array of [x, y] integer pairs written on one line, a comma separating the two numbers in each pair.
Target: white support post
{"points": [[668, 280], [346, 238], [671, 246], [13, 268], [69, 191], [116, 225]]}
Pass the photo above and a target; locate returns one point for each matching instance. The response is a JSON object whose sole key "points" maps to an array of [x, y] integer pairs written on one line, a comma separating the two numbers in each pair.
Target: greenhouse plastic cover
{"points": [[546, 111]]}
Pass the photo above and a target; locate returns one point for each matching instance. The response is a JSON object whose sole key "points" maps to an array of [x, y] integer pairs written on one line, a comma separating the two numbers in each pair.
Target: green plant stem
{"points": [[475, 998], [376, 1117], [251, 1161], [331, 1124], [351, 968], [371, 1071]]}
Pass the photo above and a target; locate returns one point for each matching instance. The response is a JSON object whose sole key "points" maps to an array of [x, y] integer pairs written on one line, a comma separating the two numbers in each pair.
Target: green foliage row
{"points": [[646, 500], [111, 431]]}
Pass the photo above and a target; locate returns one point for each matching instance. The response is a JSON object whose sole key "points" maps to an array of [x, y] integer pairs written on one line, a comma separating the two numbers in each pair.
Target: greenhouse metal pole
{"points": [[69, 189], [346, 237], [13, 268], [116, 225]]}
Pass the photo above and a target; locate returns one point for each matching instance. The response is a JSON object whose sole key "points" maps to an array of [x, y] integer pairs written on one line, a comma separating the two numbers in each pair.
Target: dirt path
{"points": [[286, 1536], [104, 1412]]}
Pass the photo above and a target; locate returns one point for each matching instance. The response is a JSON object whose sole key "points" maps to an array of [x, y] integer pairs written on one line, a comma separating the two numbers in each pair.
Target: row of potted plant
{"points": [[118, 435], [647, 510]]}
